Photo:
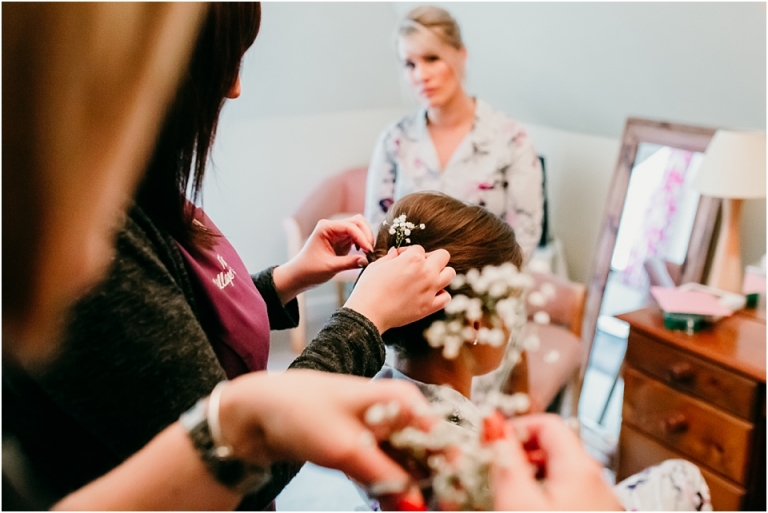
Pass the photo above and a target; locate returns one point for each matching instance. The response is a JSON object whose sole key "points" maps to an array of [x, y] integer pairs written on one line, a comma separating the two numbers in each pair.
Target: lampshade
{"points": [[733, 166]]}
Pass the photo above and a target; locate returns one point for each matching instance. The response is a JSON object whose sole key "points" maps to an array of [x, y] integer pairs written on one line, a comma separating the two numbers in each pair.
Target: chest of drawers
{"points": [[699, 397]]}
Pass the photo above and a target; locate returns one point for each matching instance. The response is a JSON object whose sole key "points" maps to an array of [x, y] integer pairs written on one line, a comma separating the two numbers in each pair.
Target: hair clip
{"points": [[401, 229]]}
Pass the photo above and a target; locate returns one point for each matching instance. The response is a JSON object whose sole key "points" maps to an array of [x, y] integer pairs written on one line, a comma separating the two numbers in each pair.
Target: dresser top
{"points": [[737, 342]]}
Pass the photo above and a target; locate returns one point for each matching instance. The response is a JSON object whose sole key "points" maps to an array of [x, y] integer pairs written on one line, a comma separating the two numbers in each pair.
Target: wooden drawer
{"points": [[702, 433], [638, 452], [688, 373]]}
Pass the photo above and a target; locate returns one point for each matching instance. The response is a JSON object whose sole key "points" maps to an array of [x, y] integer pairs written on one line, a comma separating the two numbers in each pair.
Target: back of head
{"points": [[473, 236], [85, 86], [181, 155], [435, 19]]}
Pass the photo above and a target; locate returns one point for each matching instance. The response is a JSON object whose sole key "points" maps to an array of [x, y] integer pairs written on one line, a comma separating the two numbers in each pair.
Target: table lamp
{"points": [[733, 168]]}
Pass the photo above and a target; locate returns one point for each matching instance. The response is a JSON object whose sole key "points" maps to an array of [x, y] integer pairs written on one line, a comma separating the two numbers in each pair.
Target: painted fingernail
{"points": [[537, 457], [411, 504], [493, 427]]}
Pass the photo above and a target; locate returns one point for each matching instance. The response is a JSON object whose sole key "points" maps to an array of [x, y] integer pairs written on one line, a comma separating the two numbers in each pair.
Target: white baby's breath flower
{"points": [[480, 285], [435, 334], [536, 298], [497, 289], [506, 310], [458, 282], [457, 304], [548, 290], [402, 230], [521, 402], [552, 356], [484, 335], [496, 337], [451, 347], [541, 317], [532, 343], [474, 309]]}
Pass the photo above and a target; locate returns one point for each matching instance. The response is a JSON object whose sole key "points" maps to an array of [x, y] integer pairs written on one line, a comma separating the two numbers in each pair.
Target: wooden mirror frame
{"points": [[637, 131]]}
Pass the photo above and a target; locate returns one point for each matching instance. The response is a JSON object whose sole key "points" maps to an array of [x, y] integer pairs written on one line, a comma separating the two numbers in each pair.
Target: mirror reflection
{"points": [[655, 228]]}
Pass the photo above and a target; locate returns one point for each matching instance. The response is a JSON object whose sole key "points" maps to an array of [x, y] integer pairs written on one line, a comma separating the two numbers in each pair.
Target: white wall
{"points": [[321, 82], [266, 166], [586, 67], [319, 57]]}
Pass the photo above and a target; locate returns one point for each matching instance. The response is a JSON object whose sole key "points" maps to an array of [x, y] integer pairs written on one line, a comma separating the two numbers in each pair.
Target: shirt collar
{"points": [[483, 113]]}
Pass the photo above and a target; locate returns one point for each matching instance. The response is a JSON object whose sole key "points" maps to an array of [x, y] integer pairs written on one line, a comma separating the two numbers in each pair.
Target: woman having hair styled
{"points": [[475, 238], [179, 312], [68, 169], [454, 143]]}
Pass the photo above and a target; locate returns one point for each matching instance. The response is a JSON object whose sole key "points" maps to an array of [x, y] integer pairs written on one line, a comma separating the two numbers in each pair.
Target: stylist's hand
{"points": [[326, 253], [305, 415], [402, 287], [572, 480]]}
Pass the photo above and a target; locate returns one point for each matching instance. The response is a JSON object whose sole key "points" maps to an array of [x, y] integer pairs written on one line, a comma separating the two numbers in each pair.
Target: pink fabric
{"points": [[659, 216], [232, 312], [342, 192]]}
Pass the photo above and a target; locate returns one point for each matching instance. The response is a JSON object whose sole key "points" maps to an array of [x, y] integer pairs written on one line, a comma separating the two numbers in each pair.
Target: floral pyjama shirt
{"points": [[495, 166]]}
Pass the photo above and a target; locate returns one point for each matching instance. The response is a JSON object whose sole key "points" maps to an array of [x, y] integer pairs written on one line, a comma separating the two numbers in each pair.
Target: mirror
{"points": [[651, 213]]}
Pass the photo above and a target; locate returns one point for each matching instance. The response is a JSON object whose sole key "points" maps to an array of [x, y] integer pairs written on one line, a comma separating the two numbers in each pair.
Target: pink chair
{"points": [[563, 335], [338, 196]]}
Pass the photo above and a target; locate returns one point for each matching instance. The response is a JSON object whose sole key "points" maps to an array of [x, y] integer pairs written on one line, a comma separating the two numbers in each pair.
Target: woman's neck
{"points": [[458, 111], [433, 368]]}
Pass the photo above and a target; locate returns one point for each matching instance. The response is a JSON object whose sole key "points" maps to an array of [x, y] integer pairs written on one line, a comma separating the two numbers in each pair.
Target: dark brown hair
{"points": [[181, 155], [472, 235]]}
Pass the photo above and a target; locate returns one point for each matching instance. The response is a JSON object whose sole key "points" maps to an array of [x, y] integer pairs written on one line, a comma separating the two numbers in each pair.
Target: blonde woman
{"points": [[454, 143]]}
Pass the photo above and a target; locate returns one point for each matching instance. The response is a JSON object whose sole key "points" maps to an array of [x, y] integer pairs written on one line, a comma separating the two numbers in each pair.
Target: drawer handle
{"points": [[675, 424], [681, 372]]}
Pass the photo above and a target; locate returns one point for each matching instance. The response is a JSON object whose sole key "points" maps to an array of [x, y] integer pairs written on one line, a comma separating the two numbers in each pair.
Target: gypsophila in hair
{"points": [[457, 461], [491, 295], [401, 229]]}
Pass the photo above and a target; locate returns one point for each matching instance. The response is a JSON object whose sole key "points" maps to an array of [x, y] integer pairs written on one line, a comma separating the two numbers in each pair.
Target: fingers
{"points": [[353, 261], [511, 474], [438, 303], [554, 437], [354, 230], [362, 223], [439, 257]]}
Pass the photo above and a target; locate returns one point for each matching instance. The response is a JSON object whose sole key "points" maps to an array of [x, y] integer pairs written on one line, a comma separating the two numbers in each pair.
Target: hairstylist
{"points": [[454, 143], [146, 344], [59, 217]]}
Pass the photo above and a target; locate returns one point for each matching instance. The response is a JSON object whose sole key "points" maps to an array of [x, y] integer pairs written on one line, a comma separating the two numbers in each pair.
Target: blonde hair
{"points": [[85, 87], [435, 19]]}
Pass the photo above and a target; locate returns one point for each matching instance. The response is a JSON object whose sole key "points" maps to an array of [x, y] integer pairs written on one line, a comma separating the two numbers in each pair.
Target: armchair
{"points": [[338, 196]]}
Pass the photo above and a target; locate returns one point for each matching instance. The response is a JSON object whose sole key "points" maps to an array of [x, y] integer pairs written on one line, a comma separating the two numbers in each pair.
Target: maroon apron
{"points": [[231, 311]]}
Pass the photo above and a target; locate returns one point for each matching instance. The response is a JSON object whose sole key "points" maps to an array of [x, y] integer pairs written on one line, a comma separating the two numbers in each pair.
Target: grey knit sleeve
{"points": [[280, 317], [348, 344]]}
